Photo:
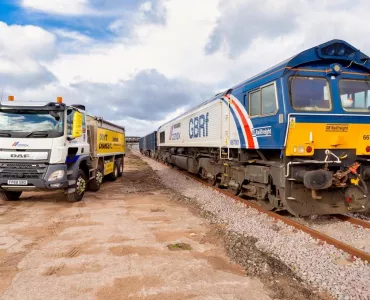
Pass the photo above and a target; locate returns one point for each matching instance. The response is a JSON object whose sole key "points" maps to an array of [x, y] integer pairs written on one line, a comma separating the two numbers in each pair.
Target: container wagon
{"points": [[148, 144]]}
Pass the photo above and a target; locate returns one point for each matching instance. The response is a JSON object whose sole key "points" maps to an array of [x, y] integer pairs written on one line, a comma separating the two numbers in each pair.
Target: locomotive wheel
{"points": [[203, 173], [266, 204], [234, 191], [215, 182]]}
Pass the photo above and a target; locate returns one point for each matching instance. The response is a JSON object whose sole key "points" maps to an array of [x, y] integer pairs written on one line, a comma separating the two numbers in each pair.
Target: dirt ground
{"points": [[127, 241]]}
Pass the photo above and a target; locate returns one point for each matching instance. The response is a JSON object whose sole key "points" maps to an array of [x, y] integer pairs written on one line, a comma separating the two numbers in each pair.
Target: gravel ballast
{"points": [[351, 234], [318, 264]]}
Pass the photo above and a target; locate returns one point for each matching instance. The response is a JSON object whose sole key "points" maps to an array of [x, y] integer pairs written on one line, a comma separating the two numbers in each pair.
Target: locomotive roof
{"points": [[315, 54], [334, 51]]}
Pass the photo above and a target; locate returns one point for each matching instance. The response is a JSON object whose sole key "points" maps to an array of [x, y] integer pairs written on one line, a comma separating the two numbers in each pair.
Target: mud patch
{"points": [[274, 274], [129, 250], [170, 236], [52, 228], [68, 270], [129, 288], [167, 296], [8, 268], [118, 239], [78, 250], [155, 219], [154, 210], [218, 262], [53, 270]]}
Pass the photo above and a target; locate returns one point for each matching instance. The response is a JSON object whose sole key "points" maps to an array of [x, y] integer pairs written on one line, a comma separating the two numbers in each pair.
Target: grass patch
{"points": [[179, 247]]}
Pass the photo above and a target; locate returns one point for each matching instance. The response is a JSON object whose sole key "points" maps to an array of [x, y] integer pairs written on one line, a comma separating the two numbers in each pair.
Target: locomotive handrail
{"points": [[310, 162]]}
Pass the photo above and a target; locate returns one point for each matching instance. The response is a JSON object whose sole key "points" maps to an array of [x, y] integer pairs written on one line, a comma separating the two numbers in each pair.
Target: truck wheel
{"points": [[10, 196], [94, 184], [80, 188], [120, 167], [114, 175]]}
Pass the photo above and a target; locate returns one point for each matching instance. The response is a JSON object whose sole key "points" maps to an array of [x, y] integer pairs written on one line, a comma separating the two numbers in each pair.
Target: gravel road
{"points": [[128, 241], [317, 264]]}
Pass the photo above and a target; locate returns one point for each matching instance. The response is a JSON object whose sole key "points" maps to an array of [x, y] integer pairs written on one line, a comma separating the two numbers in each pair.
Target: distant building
{"points": [[132, 142]]}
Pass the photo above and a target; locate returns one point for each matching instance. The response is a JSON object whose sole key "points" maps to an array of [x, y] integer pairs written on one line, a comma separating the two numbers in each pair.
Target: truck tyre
{"points": [[120, 167], [114, 175], [95, 184], [10, 196], [80, 187]]}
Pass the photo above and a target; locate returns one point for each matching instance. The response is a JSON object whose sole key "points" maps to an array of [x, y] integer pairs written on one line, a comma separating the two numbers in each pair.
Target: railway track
{"points": [[299, 226], [355, 221]]}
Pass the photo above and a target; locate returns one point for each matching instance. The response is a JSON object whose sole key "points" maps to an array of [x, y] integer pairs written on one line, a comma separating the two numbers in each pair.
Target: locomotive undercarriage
{"points": [[327, 183]]}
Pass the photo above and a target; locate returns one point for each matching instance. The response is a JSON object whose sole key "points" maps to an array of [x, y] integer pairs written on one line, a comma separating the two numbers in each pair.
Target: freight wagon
{"points": [[294, 137], [148, 144]]}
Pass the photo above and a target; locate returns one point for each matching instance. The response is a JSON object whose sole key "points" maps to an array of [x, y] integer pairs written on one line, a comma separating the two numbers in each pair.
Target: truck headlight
{"points": [[56, 175]]}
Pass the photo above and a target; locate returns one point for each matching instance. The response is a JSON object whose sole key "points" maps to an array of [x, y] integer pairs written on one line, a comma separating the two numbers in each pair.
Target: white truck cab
{"points": [[44, 146]]}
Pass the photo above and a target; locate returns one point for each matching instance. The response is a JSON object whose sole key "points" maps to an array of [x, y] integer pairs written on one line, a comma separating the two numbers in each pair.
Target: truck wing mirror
{"points": [[77, 125]]}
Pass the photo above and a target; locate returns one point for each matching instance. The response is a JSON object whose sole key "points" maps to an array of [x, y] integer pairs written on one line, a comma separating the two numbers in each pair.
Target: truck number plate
{"points": [[17, 182]]}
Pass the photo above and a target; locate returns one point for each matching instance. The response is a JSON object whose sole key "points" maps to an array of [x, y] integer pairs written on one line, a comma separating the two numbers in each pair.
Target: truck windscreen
{"points": [[31, 124]]}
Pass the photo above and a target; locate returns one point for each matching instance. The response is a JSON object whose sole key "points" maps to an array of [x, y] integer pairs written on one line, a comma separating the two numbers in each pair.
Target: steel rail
{"points": [[355, 221]]}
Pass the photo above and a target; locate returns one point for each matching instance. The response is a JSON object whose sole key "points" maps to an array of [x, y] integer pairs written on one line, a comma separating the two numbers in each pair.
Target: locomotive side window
{"points": [[263, 101], [310, 93], [268, 99], [355, 94], [254, 104], [162, 137]]}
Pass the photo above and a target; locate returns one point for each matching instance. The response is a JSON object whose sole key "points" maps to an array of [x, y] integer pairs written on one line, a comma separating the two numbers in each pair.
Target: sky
{"points": [[139, 63]]}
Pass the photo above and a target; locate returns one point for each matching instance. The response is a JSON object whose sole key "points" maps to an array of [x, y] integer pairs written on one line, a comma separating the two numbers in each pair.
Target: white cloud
{"points": [[146, 6], [59, 7], [176, 49], [23, 53], [73, 35], [26, 41]]}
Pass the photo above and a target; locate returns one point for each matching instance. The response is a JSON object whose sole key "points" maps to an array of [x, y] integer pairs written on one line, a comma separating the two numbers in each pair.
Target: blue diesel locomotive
{"points": [[295, 137]]}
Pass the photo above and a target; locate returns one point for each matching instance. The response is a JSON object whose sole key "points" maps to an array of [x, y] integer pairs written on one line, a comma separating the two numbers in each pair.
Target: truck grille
{"points": [[22, 170]]}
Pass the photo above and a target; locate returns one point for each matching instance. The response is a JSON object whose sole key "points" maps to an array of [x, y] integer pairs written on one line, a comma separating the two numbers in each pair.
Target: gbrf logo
{"points": [[198, 126], [174, 132]]}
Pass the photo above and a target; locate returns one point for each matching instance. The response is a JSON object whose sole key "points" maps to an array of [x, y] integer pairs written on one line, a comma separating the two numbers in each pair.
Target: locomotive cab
{"points": [[327, 145]]}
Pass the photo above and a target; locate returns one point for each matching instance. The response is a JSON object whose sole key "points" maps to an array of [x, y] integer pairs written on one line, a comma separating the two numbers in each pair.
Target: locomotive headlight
{"points": [[56, 175], [300, 149], [341, 51], [336, 68]]}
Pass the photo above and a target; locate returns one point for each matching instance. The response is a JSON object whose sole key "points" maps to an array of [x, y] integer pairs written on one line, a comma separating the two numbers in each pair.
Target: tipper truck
{"points": [[54, 146]]}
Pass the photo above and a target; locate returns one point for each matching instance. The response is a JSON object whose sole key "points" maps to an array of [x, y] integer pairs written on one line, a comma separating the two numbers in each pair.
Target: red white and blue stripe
{"points": [[242, 122]]}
